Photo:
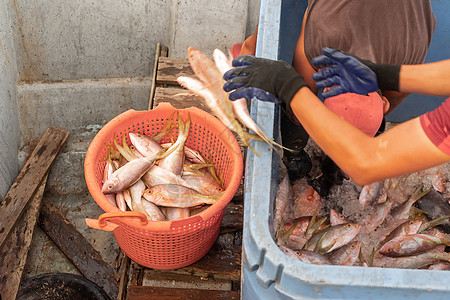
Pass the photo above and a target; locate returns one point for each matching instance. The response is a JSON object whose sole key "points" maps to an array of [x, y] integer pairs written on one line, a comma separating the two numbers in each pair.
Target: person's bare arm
{"points": [[403, 149], [429, 79]]}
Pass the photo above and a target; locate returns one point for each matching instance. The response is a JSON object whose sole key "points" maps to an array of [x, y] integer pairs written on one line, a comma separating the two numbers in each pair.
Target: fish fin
{"points": [[288, 233], [432, 223], [168, 126], [123, 151]]}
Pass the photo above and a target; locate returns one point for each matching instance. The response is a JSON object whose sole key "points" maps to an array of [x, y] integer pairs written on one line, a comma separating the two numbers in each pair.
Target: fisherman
{"points": [[383, 31], [418, 144]]}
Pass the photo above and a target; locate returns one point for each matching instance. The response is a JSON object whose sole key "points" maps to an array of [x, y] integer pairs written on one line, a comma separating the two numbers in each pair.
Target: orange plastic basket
{"points": [[165, 244]]}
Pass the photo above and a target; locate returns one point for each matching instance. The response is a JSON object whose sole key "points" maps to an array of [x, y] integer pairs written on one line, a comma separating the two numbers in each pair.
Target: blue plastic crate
{"points": [[267, 273]]}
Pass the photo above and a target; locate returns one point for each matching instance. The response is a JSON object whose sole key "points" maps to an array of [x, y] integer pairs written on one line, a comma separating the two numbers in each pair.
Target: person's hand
{"points": [[265, 79], [343, 74], [349, 73]]}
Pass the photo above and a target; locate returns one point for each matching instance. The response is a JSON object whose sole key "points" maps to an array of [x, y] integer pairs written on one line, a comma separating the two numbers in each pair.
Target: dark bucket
{"points": [[57, 286]]}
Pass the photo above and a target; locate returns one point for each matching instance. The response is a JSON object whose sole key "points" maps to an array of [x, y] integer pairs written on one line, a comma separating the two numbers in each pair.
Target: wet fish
{"points": [[337, 218], [172, 195], [332, 237], [309, 257], [144, 144], [193, 155], [239, 106], [347, 255], [412, 262], [373, 192], [120, 201], [296, 233], [174, 161], [377, 218], [442, 266], [152, 211], [136, 192], [283, 203], [174, 213], [407, 227], [210, 88], [308, 203], [127, 175], [411, 244]]}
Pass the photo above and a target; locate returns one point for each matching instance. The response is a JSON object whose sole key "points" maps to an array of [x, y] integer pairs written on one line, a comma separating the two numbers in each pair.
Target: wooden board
{"points": [[77, 249], [179, 98], [161, 293], [29, 178], [13, 256], [169, 68]]}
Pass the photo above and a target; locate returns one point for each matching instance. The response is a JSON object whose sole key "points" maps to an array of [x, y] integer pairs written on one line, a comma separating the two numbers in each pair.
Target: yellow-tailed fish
{"points": [[210, 88], [172, 195], [239, 106]]}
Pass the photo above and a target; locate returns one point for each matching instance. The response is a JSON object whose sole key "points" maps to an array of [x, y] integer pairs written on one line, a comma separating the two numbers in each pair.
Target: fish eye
{"points": [[341, 216], [149, 192], [310, 197], [348, 225], [443, 181], [110, 187], [353, 246], [132, 147], [389, 250], [411, 222]]}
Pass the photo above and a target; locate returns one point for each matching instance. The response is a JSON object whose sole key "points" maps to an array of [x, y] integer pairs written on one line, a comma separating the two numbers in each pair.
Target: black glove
{"points": [[265, 79], [387, 75]]}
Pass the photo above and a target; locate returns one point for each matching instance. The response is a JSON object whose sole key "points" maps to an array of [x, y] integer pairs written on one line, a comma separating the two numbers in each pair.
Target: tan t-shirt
{"points": [[383, 31]]}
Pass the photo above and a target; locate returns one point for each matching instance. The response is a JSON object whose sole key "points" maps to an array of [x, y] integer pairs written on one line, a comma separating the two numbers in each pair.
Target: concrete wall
{"points": [[9, 124], [77, 64], [70, 46]]}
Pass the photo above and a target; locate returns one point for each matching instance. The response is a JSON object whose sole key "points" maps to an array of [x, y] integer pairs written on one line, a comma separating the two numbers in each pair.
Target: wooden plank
{"points": [[155, 69], [179, 98], [220, 262], [13, 256], [123, 282], [161, 293], [169, 68], [77, 249], [29, 178]]}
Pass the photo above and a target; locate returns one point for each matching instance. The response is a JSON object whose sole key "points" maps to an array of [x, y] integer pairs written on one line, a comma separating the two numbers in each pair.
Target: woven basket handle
{"points": [[102, 223]]}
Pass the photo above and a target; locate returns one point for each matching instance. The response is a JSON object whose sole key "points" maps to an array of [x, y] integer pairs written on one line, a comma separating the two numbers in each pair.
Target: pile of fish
{"points": [[165, 181], [402, 222], [209, 86]]}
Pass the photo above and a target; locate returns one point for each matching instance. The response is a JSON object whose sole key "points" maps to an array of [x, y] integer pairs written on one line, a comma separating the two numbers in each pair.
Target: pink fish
{"points": [[171, 195], [210, 88], [411, 244], [239, 106], [336, 218]]}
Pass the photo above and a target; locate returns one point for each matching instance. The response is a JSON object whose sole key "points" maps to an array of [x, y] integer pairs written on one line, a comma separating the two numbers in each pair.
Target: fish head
{"points": [[390, 247], [152, 194], [110, 186], [351, 229]]}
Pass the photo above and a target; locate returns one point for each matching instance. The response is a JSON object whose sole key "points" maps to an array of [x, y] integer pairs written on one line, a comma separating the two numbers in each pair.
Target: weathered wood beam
{"points": [[29, 178], [77, 249]]}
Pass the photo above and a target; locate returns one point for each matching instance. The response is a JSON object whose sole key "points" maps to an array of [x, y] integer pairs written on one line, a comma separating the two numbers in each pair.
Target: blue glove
{"points": [[343, 74], [266, 79]]}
